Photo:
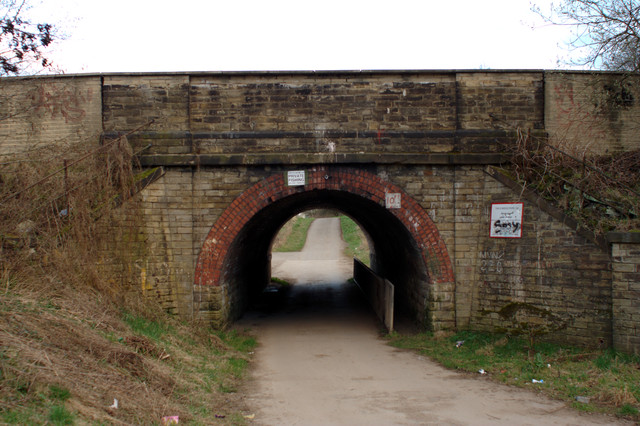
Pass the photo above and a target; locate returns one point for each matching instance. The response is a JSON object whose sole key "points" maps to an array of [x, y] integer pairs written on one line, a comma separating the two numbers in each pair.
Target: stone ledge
{"points": [[302, 159], [623, 237], [330, 133]]}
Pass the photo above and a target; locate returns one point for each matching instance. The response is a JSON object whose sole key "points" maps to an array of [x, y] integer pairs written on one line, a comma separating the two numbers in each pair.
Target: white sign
{"points": [[296, 178], [392, 200], [506, 220]]}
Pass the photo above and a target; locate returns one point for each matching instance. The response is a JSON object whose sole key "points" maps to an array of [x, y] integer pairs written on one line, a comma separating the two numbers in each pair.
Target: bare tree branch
{"points": [[21, 41], [608, 31]]}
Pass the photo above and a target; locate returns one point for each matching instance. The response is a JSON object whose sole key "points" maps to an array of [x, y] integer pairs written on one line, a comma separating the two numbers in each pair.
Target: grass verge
{"points": [[357, 245], [67, 361], [293, 234], [590, 380]]}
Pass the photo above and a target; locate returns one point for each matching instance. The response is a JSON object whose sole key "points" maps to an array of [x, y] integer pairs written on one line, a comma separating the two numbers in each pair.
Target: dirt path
{"points": [[321, 361]]}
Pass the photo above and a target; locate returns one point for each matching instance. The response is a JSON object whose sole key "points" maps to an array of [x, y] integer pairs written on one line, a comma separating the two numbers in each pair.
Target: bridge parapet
{"points": [[428, 117]]}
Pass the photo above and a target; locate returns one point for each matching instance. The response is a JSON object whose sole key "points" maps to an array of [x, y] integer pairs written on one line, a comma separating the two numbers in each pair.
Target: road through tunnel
{"points": [[405, 244]]}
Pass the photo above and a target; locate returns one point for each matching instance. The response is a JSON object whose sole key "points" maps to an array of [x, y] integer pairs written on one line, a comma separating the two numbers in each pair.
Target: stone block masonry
{"points": [[428, 138], [625, 250]]}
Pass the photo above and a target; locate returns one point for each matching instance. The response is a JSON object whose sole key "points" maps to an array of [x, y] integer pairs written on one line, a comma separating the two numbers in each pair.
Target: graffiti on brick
{"points": [[574, 115], [491, 261], [56, 101]]}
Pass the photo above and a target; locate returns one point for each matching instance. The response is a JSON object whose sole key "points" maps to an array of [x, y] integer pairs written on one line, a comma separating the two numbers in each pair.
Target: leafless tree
{"points": [[22, 41], [607, 32]]}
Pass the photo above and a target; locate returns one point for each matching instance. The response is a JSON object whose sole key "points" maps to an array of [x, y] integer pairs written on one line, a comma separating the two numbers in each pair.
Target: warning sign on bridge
{"points": [[296, 178], [506, 220]]}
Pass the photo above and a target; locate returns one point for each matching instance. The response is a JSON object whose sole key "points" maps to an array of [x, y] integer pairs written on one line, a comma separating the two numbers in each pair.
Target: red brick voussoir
{"points": [[358, 182]]}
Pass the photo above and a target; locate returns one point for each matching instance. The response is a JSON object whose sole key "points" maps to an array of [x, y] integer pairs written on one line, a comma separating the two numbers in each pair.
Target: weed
{"points": [[153, 329], [237, 366], [238, 341], [628, 410], [58, 393], [59, 415], [604, 361]]}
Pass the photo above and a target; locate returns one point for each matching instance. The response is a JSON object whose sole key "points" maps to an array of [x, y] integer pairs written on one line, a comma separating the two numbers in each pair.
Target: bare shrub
{"points": [[602, 192], [56, 221]]}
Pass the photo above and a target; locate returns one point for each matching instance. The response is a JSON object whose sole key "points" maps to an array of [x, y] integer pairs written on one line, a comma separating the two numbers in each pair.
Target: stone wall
{"points": [[625, 249], [593, 112], [46, 111], [553, 281]]}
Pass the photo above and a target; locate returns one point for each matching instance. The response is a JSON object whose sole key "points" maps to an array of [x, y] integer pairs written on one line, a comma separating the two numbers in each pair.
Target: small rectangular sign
{"points": [[506, 220], [296, 178], [392, 200]]}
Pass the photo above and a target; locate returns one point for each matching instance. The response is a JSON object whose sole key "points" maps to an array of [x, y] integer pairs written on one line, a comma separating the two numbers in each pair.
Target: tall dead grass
{"points": [[59, 218]]}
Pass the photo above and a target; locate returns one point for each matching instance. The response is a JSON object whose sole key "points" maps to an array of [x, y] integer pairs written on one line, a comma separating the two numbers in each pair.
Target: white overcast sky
{"points": [[240, 35]]}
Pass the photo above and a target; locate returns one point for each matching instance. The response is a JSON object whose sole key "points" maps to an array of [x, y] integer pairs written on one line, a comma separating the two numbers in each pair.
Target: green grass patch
{"points": [[59, 415], [293, 235], [280, 281], [238, 341], [608, 380], [59, 393], [140, 325], [357, 245]]}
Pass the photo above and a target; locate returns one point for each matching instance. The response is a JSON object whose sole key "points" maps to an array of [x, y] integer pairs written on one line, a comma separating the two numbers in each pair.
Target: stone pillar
{"points": [[625, 290]]}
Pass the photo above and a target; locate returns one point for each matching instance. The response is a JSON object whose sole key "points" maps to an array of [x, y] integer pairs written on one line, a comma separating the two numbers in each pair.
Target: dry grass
{"points": [[74, 335]]}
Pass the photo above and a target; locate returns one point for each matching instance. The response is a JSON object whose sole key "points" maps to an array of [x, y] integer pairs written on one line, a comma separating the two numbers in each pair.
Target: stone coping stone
{"points": [[623, 237]]}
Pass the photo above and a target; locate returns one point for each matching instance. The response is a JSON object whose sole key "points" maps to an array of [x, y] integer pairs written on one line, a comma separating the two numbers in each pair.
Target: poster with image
{"points": [[506, 220]]}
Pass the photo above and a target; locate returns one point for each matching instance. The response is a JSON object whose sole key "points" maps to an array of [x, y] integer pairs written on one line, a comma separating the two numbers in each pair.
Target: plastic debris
{"points": [[115, 404], [459, 343], [537, 381], [481, 371], [170, 420], [583, 399], [250, 416], [220, 416]]}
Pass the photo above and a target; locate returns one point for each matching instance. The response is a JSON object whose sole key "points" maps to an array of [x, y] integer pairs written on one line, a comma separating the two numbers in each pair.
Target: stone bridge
{"points": [[409, 155]]}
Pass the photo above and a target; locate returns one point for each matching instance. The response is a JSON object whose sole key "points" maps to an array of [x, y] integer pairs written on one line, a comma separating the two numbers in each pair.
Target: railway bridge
{"points": [[411, 156]]}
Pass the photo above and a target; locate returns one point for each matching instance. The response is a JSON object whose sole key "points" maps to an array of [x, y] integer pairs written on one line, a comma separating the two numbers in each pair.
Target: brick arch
{"points": [[358, 182]]}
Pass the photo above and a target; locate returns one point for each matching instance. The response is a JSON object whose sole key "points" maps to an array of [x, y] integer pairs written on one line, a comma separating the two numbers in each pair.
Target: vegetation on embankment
{"points": [[357, 245], [601, 192], [591, 380], [293, 234], [66, 357], [75, 334]]}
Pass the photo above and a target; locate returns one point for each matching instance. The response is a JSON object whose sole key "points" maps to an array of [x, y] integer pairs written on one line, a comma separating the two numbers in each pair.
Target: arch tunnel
{"points": [[405, 244]]}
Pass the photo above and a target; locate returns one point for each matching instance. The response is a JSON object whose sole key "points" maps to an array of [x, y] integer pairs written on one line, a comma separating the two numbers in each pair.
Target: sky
{"points": [[280, 35]]}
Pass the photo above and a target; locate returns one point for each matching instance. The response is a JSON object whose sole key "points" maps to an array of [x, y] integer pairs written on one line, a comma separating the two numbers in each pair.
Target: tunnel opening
{"points": [[394, 252], [293, 236]]}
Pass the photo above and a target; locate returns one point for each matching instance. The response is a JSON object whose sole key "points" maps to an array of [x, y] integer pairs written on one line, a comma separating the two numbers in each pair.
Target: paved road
{"points": [[320, 361]]}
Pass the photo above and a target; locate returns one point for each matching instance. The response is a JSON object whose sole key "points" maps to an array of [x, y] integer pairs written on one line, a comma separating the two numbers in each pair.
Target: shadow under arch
{"points": [[234, 259]]}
